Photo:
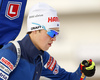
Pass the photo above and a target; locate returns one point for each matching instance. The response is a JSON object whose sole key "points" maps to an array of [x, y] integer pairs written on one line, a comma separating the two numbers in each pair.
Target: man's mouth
{"points": [[49, 44]]}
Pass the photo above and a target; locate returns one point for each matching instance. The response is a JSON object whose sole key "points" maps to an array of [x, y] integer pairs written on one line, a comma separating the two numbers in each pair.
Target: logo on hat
{"points": [[13, 10], [53, 19]]}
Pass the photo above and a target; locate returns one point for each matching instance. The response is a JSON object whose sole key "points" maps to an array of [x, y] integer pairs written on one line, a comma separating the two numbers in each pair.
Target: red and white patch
{"points": [[13, 10], [50, 64], [7, 63]]}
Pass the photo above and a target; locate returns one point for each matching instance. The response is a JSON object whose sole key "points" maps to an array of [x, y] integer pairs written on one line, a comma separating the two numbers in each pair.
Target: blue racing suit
{"points": [[33, 64], [11, 19]]}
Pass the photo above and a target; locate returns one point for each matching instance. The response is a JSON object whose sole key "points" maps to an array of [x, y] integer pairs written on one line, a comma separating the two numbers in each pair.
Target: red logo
{"points": [[13, 10], [51, 67], [7, 63], [50, 64], [53, 19]]}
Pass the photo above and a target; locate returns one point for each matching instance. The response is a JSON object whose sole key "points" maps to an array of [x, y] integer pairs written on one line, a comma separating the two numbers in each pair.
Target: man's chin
{"points": [[45, 49]]}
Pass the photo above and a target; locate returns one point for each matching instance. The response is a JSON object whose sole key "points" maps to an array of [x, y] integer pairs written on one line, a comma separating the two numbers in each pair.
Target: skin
{"points": [[41, 39]]}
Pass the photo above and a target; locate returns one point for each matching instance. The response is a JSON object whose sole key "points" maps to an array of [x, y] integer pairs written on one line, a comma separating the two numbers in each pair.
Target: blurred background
{"points": [[79, 36]]}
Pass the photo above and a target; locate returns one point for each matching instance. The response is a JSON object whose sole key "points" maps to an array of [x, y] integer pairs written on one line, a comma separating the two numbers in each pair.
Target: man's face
{"points": [[43, 40]]}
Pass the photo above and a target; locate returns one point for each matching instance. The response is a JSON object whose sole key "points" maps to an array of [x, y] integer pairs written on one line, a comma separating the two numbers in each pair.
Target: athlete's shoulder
{"points": [[7, 61], [7, 52]]}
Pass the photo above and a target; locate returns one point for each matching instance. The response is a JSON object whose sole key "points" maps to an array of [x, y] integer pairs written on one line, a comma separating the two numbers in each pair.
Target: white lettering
{"points": [[11, 8]]}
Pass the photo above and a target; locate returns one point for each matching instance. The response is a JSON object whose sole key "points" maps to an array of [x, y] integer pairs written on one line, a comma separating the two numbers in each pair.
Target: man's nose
{"points": [[53, 39]]}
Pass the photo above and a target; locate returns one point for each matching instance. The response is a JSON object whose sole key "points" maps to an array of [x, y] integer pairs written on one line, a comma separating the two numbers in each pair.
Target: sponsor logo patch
{"points": [[13, 10], [5, 69], [51, 67], [7, 63], [50, 64], [3, 76]]}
